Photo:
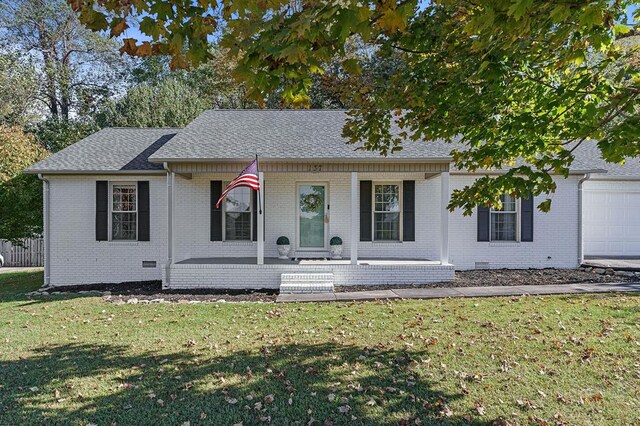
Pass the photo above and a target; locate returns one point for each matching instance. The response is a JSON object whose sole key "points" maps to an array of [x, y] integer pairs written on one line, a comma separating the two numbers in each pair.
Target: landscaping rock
{"points": [[609, 271], [132, 301], [599, 271]]}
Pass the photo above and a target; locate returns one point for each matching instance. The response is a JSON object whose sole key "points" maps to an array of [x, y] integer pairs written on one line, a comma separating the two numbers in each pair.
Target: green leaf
{"points": [[519, 8]]}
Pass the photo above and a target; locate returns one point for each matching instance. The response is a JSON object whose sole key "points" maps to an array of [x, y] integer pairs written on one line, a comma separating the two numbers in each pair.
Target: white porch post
{"points": [[444, 217], [261, 221], [354, 218]]}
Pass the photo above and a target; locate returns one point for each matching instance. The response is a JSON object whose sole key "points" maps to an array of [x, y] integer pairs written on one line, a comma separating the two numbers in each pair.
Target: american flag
{"points": [[248, 177]]}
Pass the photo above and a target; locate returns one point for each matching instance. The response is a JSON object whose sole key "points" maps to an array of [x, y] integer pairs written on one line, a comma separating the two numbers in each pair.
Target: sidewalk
{"points": [[436, 292], [13, 269]]}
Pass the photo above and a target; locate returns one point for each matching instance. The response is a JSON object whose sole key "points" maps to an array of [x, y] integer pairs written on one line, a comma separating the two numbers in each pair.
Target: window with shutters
{"points": [[237, 216], [124, 212], [387, 212], [503, 224]]}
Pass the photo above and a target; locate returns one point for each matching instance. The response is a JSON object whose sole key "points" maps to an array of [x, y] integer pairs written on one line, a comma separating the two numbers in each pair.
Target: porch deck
{"points": [[302, 261], [245, 273]]}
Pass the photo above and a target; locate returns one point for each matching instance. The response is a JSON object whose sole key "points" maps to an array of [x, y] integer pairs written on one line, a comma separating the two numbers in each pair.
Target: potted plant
{"points": [[283, 247], [336, 247]]}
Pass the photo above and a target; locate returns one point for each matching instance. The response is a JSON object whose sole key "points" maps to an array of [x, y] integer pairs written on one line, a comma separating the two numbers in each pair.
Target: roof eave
{"points": [[93, 172], [160, 160]]}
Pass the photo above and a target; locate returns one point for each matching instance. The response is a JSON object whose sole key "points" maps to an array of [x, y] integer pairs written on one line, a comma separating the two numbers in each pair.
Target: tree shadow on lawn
{"points": [[291, 384]]}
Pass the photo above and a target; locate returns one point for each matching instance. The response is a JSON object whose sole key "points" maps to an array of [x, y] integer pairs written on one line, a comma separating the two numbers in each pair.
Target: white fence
{"points": [[30, 254]]}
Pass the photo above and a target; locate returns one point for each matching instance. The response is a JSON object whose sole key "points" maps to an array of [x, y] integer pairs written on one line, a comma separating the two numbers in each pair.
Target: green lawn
{"points": [[533, 360]]}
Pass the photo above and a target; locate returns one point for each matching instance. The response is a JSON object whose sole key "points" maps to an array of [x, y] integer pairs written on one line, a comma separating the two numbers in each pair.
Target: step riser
{"points": [[306, 283]]}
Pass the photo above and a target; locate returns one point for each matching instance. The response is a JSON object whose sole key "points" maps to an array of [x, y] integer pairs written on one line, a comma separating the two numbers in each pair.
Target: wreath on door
{"points": [[310, 202]]}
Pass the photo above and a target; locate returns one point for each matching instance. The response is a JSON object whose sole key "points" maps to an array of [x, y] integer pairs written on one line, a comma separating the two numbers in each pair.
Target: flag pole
{"points": [[259, 190]]}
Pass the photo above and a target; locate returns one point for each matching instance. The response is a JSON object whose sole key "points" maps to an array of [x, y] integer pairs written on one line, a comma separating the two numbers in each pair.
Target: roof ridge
{"points": [[142, 128], [278, 109]]}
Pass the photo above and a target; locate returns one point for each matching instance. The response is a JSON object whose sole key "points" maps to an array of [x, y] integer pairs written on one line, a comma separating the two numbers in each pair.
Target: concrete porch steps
{"points": [[310, 282]]}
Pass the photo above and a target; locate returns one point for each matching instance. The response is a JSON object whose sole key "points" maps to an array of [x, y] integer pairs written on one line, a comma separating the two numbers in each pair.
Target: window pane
{"points": [[387, 198], [387, 227], [238, 200], [124, 198], [123, 226], [238, 226], [508, 203], [503, 226]]}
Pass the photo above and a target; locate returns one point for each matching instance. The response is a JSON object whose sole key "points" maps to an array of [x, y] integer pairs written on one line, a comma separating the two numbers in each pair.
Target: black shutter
{"points": [[143, 210], [526, 218], [365, 210], [483, 223], [102, 210], [216, 213], [254, 216], [408, 210]]}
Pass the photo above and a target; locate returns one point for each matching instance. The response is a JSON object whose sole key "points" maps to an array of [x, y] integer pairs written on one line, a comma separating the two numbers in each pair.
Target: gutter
{"points": [[47, 230], [586, 177]]}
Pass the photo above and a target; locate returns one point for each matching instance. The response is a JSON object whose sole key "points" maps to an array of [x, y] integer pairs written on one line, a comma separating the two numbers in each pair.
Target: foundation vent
{"points": [[482, 265]]}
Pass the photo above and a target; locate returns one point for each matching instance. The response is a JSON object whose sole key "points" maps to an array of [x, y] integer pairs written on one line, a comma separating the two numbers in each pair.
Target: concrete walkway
{"points": [[12, 269], [436, 293], [620, 264]]}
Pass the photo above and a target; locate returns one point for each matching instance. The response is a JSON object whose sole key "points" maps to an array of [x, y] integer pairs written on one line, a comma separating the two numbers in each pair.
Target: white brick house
{"points": [[139, 204]]}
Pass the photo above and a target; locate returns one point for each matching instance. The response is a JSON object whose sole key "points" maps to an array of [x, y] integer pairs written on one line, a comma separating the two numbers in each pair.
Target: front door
{"points": [[312, 216]]}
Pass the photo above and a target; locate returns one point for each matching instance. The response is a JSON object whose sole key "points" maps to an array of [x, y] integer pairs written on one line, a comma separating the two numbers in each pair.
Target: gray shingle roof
{"points": [[272, 134], [281, 135], [587, 156], [109, 150]]}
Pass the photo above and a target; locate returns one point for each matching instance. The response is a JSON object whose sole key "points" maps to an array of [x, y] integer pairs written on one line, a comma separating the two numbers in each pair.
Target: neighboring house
{"points": [[139, 204]]}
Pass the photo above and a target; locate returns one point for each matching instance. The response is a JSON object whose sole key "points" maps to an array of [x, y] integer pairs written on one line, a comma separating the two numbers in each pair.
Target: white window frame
{"points": [[134, 184], [224, 216], [516, 213], [374, 211]]}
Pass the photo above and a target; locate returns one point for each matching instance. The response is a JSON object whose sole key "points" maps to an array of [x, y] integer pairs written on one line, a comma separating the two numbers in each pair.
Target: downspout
{"points": [[47, 230], [580, 214], [167, 283]]}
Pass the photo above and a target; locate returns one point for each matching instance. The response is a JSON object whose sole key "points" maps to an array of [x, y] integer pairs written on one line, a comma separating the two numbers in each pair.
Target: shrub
{"points": [[282, 241], [336, 241]]}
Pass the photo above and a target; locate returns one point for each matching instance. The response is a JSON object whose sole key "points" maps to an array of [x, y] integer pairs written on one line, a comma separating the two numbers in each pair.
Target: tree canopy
{"points": [[519, 83], [20, 195], [75, 68]]}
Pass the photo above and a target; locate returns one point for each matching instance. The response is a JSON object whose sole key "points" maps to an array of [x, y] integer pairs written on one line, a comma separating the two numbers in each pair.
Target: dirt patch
{"points": [[152, 292], [512, 277]]}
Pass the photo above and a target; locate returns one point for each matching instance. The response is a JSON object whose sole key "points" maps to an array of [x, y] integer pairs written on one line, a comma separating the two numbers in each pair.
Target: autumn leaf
{"points": [[118, 27]]}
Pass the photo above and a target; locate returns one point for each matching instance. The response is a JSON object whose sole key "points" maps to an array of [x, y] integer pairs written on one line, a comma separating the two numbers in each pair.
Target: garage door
{"points": [[611, 219]]}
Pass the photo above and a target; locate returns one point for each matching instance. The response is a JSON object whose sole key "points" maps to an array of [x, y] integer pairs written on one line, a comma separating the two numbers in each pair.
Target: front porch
{"points": [[392, 219], [246, 273]]}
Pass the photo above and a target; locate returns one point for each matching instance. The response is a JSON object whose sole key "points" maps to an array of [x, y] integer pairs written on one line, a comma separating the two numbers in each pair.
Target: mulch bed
{"points": [[151, 291], [511, 277]]}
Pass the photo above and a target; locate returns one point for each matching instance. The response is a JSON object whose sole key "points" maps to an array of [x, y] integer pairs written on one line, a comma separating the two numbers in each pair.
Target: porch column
{"points": [[444, 217], [354, 218], [261, 220]]}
